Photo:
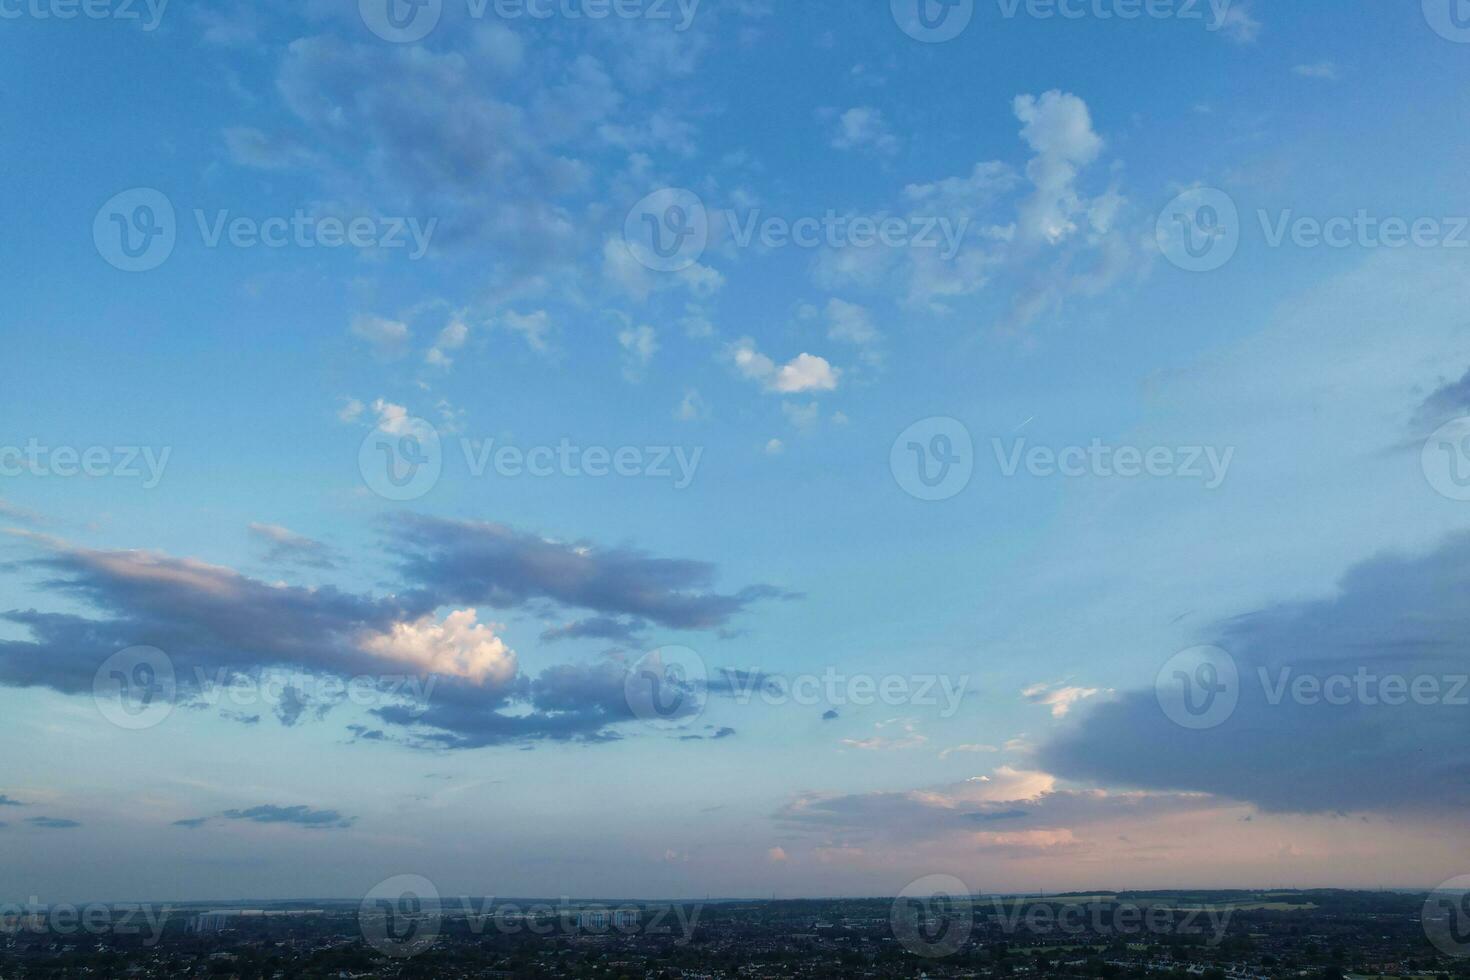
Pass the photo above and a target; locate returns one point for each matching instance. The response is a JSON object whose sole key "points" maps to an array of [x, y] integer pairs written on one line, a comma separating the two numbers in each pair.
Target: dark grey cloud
{"points": [[217, 625], [7, 801], [439, 134], [1449, 401], [830, 714], [565, 703], [192, 824], [598, 628], [716, 734], [286, 547], [301, 816], [1392, 616], [205, 617], [53, 823], [295, 704], [491, 564], [745, 683]]}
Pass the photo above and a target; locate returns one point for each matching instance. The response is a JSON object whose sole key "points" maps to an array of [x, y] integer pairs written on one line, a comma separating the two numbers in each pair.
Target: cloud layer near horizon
{"points": [[1393, 618]]}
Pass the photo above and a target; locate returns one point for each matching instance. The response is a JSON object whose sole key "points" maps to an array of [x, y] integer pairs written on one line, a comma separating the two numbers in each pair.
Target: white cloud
{"points": [[985, 183], [851, 323], [1325, 70], [457, 647], [1240, 25], [805, 372], [388, 339], [639, 345], [392, 419], [533, 328], [971, 747], [804, 417], [500, 47], [451, 338], [351, 410], [622, 268], [1060, 698], [864, 128], [1058, 127], [910, 739], [692, 408]]}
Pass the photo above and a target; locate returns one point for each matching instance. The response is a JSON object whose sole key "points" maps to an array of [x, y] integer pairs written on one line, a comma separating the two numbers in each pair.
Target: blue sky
{"points": [[521, 149]]}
